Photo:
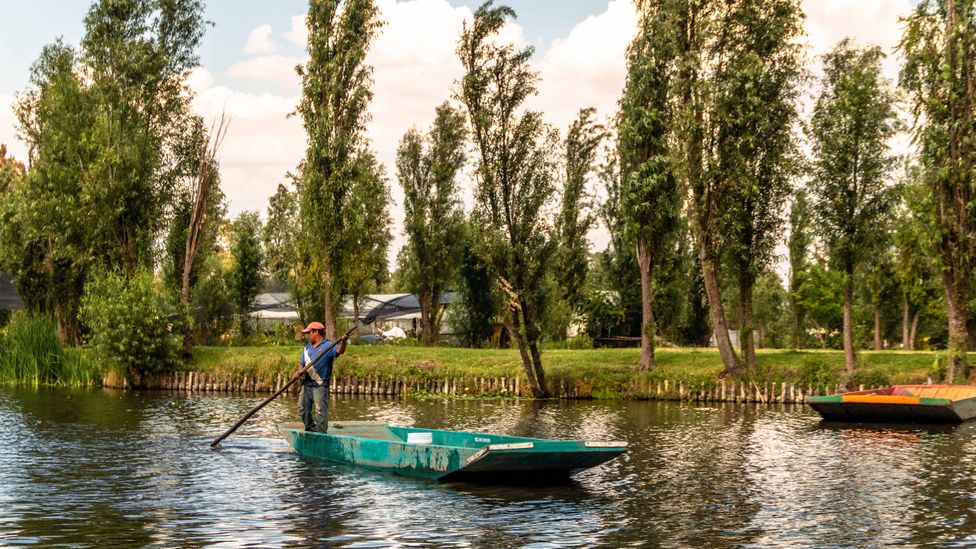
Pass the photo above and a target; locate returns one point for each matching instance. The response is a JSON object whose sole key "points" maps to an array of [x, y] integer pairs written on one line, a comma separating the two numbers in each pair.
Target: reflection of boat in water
{"points": [[449, 455], [900, 403]]}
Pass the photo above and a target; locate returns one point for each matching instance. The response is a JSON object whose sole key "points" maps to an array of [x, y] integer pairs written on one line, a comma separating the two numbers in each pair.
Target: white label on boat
{"points": [[479, 439], [611, 444], [512, 446], [420, 438]]}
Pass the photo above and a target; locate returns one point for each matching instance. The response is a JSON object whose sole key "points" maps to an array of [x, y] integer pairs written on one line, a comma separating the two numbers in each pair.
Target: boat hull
{"points": [[900, 404], [449, 455]]}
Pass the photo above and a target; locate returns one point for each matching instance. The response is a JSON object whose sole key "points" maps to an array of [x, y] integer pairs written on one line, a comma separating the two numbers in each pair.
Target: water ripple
{"points": [[98, 468]]}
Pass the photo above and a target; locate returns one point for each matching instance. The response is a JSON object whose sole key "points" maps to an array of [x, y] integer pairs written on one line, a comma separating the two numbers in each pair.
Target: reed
{"points": [[30, 353]]}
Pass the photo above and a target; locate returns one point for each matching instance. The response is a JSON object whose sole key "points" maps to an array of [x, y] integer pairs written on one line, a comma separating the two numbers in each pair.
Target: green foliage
{"points": [[614, 279], [821, 295], [852, 122], [281, 237], [798, 246], [939, 73], [820, 372], [576, 215], [245, 274], [648, 188], [427, 168], [472, 315], [211, 305], [109, 126], [135, 324]]}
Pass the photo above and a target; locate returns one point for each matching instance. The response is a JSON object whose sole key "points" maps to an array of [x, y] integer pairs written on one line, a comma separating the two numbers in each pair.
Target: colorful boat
{"points": [[901, 403], [449, 455]]}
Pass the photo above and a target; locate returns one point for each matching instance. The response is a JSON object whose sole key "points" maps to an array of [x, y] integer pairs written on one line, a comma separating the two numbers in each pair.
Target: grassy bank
{"points": [[603, 373]]}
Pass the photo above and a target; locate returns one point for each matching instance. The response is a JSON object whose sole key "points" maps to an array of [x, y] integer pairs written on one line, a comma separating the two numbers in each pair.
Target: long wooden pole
{"points": [[294, 378]]}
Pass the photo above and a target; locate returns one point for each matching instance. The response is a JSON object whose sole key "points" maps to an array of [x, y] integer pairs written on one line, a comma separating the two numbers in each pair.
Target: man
{"points": [[314, 397]]}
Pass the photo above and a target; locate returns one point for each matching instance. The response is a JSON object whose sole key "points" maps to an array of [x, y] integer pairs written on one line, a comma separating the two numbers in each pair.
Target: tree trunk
{"points": [[747, 343], [796, 325], [716, 311], [540, 374], [424, 300], [648, 328], [515, 332], [435, 320], [957, 370], [849, 358], [911, 336], [328, 306], [66, 315], [878, 345], [905, 317]]}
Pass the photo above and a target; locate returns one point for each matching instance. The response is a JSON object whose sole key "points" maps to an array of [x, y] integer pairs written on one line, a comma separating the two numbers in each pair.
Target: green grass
{"points": [[30, 353], [598, 372]]}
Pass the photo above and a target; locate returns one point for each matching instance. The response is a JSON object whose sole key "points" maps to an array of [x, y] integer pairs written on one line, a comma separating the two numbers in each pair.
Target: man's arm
{"points": [[342, 347]]}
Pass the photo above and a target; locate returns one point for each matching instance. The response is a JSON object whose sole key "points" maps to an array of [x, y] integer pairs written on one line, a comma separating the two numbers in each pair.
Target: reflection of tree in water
{"points": [[941, 506], [693, 463]]}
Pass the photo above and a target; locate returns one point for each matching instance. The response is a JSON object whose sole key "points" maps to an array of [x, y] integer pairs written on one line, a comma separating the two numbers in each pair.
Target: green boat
{"points": [[449, 455]]}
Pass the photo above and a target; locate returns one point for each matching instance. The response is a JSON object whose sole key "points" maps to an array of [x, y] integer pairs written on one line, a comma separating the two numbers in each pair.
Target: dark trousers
{"points": [[313, 402]]}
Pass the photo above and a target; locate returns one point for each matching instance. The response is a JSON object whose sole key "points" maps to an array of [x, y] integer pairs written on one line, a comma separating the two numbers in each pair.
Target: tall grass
{"points": [[30, 353]]}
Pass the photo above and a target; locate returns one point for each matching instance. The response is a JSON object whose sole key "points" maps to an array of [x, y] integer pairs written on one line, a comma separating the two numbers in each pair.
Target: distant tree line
{"points": [[725, 210]]}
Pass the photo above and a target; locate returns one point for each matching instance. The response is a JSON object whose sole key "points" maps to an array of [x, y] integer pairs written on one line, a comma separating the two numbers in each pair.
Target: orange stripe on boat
{"points": [[881, 399]]}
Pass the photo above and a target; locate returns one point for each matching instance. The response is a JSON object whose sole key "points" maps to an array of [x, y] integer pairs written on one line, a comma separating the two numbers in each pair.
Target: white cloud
{"points": [[588, 67], [298, 34], [866, 22], [279, 69], [260, 41], [262, 142]]}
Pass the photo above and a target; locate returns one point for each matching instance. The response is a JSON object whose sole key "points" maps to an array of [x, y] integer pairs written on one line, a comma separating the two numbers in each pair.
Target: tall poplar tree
{"points": [[427, 167], [798, 248], [759, 62], [852, 121], [939, 46], [650, 200], [576, 215], [335, 95], [515, 174]]}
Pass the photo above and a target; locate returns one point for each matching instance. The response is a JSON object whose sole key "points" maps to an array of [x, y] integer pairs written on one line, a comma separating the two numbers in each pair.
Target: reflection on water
{"points": [[106, 468]]}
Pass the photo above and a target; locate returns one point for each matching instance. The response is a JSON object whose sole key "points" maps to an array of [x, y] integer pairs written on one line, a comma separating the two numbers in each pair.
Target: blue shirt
{"points": [[324, 366]]}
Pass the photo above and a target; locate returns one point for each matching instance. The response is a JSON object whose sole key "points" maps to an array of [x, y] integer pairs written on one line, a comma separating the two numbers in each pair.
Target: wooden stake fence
{"points": [[716, 391]]}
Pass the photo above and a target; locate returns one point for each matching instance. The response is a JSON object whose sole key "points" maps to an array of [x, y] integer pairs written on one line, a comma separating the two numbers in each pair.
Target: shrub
{"points": [[136, 327]]}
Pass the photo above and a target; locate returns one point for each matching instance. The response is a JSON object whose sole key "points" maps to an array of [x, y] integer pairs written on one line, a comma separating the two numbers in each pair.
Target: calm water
{"points": [[97, 468]]}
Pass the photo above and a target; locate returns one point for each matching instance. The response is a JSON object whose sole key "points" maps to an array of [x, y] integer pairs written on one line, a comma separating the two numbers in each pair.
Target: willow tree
{"points": [[335, 95], [515, 174], [758, 63], [427, 167], [852, 121], [649, 196], [939, 45]]}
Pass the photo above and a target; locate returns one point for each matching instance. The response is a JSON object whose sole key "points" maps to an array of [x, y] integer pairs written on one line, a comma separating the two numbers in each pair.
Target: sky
{"points": [[248, 60]]}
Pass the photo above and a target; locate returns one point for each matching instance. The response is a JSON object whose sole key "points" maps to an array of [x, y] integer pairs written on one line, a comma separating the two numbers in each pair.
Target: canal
{"points": [[102, 468]]}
